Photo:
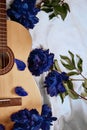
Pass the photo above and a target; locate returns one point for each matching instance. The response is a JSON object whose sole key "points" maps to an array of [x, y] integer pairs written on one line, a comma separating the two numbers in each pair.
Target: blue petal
{"points": [[20, 65], [2, 127], [20, 91]]}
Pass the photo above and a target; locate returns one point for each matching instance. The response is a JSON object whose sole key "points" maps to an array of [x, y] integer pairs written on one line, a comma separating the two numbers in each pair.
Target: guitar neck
{"points": [[3, 23]]}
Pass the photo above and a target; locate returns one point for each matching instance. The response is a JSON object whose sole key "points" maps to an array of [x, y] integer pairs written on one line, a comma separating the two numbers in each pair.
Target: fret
{"points": [[4, 37], [3, 23], [3, 33], [3, 20], [3, 28], [3, 14], [2, 5], [3, 43], [3, 40], [3, 11], [3, 1], [3, 8]]}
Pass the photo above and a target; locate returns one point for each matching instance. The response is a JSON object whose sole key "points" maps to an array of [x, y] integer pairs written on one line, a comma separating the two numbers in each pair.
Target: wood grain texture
{"points": [[19, 40]]}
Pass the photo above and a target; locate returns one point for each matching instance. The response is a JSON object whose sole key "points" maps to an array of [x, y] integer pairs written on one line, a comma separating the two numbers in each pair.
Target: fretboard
{"points": [[3, 23]]}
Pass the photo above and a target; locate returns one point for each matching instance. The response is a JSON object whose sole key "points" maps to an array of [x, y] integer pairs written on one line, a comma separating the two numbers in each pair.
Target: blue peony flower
{"points": [[64, 76], [2, 127], [47, 117], [32, 120], [40, 61], [26, 120], [54, 82], [24, 12]]}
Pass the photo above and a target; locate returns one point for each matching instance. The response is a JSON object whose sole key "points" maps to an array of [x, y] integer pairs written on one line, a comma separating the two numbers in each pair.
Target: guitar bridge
{"points": [[6, 102]]}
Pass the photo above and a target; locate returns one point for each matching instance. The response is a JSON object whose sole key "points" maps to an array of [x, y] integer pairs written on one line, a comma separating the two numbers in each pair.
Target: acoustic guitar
{"points": [[15, 42]]}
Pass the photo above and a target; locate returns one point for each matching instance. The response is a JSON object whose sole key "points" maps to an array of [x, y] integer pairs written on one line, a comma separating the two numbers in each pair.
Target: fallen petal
{"points": [[20, 91], [20, 65]]}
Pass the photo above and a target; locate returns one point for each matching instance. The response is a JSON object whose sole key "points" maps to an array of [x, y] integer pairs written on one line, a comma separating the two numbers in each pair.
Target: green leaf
{"points": [[55, 2], [72, 58], [47, 3], [56, 65], [84, 84], [47, 10], [84, 94], [53, 67], [67, 66], [60, 10], [70, 61], [62, 96], [85, 89], [52, 15], [66, 6], [72, 73], [79, 64], [56, 7], [66, 59], [71, 92], [70, 84]]}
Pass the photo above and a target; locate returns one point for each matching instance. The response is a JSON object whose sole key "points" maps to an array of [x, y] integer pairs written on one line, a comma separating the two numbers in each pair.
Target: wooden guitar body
{"points": [[20, 42]]}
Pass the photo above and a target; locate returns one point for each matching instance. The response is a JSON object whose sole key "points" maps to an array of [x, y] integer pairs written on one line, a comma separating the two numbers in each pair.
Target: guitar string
{"points": [[3, 38]]}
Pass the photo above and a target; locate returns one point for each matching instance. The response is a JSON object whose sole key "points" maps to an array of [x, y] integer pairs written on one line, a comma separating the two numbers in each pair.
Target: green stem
{"points": [[80, 95], [76, 79], [39, 4], [81, 74]]}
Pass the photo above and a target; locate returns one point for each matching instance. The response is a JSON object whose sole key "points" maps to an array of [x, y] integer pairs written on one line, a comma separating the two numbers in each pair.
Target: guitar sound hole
{"points": [[4, 60]]}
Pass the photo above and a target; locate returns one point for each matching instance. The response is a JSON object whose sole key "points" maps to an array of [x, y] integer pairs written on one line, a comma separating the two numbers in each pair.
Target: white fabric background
{"points": [[60, 36]]}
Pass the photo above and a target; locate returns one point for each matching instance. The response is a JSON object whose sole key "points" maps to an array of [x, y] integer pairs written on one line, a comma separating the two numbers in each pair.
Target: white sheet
{"points": [[60, 36]]}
